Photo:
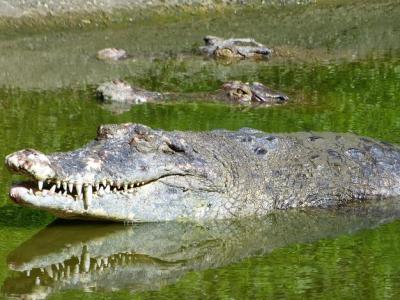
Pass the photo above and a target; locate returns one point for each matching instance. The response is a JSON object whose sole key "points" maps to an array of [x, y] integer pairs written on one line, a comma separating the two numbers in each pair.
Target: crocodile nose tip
{"points": [[31, 162]]}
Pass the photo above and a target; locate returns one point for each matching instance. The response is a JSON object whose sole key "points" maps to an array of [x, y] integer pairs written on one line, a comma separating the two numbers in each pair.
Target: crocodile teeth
{"points": [[88, 193], [78, 187], [107, 189], [53, 189], [40, 184], [58, 184], [125, 187], [104, 182], [70, 187], [64, 185], [101, 191]]}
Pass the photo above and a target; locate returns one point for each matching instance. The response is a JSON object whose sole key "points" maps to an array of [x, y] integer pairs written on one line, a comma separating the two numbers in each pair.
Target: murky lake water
{"points": [[342, 74]]}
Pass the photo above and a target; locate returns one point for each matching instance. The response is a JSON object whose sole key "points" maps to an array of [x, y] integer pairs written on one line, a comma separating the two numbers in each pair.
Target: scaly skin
{"points": [[158, 175]]}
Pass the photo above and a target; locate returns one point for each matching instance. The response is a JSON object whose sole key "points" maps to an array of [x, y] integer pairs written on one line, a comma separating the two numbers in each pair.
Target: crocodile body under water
{"points": [[131, 172]]}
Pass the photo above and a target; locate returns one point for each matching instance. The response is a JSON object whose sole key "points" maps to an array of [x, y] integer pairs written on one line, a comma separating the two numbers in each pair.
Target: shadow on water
{"points": [[145, 257]]}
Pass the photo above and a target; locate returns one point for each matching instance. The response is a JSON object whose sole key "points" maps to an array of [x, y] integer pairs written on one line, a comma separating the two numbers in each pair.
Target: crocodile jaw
{"points": [[153, 202]]}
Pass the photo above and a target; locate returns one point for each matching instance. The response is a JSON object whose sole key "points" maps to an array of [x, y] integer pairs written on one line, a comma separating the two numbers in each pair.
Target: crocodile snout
{"points": [[30, 162]]}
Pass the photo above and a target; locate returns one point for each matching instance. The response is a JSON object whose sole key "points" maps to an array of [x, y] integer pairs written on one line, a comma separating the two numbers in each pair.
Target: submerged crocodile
{"points": [[110, 257], [253, 93], [234, 48], [214, 47], [131, 172]]}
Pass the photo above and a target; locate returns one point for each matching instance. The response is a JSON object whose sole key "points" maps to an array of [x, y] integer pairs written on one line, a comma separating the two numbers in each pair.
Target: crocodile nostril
{"points": [[30, 162]]}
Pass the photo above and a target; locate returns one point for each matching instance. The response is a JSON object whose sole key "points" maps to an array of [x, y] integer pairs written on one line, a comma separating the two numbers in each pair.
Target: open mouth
{"points": [[72, 191]]}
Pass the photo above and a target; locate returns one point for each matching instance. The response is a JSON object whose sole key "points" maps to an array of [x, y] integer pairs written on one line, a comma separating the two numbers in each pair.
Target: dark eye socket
{"points": [[175, 148]]}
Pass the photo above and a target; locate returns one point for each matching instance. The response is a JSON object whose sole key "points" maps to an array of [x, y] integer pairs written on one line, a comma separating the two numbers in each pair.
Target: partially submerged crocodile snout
{"points": [[232, 91], [112, 54], [131, 172], [234, 48]]}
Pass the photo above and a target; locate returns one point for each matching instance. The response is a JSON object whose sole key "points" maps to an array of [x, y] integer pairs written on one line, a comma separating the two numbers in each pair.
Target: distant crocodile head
{"points": [[120, 91], [234, 48], [112, 54], [134, 173]]}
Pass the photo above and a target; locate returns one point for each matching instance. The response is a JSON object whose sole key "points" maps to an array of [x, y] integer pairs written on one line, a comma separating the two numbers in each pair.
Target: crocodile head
{"points": [[112, 54], [130, 172], [253, 92]]}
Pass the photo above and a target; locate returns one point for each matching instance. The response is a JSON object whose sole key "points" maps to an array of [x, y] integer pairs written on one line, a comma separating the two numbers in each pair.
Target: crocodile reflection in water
{"points": [[109, 257]]}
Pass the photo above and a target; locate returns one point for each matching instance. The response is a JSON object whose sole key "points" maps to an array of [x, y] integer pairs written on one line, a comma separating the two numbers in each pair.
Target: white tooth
{"points": [[88, 194], [30, 191], [118, 185], [28, 273], [101, 191], [97, 186], [37, 281], [58, 184], [107, 189], [75, 269], [64, 185], [78, 187], [59, 193], [86, 262], [49, 271], [65, 193], [142, 182], [105, 261], [131, 185], [125, 187], [70, 187], [68, 271], [40, 184], [53, 188], [104, 182], [98, 261], [48, 181]]}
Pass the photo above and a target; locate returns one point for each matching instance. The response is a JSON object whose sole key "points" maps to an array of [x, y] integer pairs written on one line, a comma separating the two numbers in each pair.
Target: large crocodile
{"points": [[134, 173], [110, 257]]}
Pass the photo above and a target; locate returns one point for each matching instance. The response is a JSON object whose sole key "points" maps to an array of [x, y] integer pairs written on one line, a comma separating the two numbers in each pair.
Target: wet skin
{"points": [[133, 173]]}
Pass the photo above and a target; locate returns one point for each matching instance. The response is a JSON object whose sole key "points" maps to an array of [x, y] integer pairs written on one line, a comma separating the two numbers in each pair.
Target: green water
{"points": [[348, 80]]}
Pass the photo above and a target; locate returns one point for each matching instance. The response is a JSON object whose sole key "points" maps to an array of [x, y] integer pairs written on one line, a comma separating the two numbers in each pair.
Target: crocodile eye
{"points": [[175, 145]]}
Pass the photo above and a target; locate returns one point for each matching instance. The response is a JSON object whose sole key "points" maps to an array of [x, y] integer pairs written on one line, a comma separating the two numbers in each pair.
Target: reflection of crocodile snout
{"points": [[148, 256]]}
